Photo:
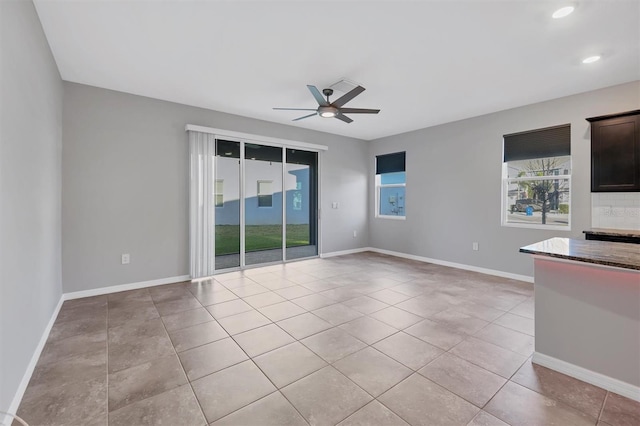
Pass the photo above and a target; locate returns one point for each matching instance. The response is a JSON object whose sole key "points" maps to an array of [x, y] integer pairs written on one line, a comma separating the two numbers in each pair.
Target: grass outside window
{"points": [[259, 237]]}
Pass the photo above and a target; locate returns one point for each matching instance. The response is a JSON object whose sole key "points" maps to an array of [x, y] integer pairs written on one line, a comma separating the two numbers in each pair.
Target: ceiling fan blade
{"points": [[295, 109], [343, 118], [304, 116], [316, 94], [348, 96], [359, 111]]}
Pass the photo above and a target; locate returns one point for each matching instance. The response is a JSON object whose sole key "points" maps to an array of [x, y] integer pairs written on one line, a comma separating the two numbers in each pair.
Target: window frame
{"points": [[379, 187], [393, 162], [270, 195], [506, 181]]}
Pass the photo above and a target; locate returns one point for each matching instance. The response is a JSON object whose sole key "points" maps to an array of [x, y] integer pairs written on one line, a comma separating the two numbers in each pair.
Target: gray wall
{"points": [[30, 156], [454, 182], [125, 185]]}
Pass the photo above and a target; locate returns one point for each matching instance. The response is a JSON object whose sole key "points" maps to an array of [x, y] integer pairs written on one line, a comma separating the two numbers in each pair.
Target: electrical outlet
{"points": [[334, 205], [126, 258], [475, 246]]}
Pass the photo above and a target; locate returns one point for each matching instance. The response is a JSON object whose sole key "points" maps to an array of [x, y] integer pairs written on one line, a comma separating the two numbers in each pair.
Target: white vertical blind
{"points": [[202, 204]]}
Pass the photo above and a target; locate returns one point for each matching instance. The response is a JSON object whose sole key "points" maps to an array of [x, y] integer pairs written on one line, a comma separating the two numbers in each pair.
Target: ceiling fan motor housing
{"points": [[327, 111]]}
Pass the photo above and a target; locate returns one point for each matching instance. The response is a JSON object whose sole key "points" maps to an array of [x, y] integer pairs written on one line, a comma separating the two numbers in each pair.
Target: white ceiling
{"points": [[422, 62]]}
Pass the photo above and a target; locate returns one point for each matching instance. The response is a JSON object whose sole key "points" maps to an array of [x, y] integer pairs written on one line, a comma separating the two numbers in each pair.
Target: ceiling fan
{"points": [[332, 109]]}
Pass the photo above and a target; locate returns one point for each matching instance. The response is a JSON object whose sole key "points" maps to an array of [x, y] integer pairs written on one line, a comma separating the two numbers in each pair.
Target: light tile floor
{"points": [[363, 339]]}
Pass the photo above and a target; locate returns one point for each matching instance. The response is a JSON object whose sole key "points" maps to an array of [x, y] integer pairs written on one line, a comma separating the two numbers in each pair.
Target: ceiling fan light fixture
{"points": [[327, 111], [562, 12]]}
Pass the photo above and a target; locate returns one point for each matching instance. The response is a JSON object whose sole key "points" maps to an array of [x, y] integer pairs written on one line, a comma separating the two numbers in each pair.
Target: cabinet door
{"points": [[615, 154]]}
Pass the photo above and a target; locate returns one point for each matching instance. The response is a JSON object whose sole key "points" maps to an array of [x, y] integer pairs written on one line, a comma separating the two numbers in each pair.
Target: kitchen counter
{"points": [[587, 311], [619, 255]]}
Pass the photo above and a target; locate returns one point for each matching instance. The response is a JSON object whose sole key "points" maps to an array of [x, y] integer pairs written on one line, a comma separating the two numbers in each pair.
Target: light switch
{"points": [[334, 205]]}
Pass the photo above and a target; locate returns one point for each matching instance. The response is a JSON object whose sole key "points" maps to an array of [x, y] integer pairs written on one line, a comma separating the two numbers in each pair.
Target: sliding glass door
{"points": [[227, 200], [301, 214], [265, 204]]}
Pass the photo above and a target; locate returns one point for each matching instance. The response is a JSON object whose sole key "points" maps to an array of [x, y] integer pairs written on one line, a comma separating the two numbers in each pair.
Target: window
{"points": [[297, 200], [219, 192], [536, 179], [297, 196], [390, 185], [265, 193]]}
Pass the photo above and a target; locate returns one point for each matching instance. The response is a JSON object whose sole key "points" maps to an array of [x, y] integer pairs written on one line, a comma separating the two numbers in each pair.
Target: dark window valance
{"points": [[390, 163], [542, 143]]}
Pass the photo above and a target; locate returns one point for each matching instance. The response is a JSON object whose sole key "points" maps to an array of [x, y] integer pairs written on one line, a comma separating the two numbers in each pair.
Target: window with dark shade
{"points": [[390, 163], [536, 178], [391, 185]]}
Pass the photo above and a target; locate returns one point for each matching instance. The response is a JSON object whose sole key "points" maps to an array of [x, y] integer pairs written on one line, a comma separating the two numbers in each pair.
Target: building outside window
{"points": [[297, 196], [536, 179], [265, 193], [219, 192], [391, 185]]}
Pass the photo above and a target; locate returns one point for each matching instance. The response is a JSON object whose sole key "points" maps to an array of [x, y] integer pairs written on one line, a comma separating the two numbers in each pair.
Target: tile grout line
{"points": [[268, 378], [507, 380], [368, 345], [398, 384], [604, 402], [180, 361], [501, 387], [528, 358], [298, 341], [249, 358]]}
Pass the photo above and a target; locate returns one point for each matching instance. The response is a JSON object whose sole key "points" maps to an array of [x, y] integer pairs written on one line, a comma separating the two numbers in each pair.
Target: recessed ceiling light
{"points": [[591, 59], [562, 12]]}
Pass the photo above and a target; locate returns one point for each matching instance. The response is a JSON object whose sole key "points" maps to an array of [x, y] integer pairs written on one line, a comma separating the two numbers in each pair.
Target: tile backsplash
{"points": [[618, 210]]}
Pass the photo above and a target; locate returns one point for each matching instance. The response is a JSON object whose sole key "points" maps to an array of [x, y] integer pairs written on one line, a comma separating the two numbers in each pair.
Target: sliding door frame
{"points": [[243, 246], [284, 144], [284, 203]]}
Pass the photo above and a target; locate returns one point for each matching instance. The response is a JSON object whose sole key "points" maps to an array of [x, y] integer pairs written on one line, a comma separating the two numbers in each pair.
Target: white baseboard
{"points": [[124, 287], [605, 382], [26, 377], [344, 252], [487, 271]]}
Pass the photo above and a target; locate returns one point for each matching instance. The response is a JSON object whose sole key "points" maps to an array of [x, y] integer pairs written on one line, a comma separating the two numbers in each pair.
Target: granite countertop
{"points": [[632, 233], [620, 255]]}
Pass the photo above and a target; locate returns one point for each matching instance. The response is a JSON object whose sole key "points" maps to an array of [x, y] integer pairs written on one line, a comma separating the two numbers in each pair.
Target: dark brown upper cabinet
{"points": [[615, 152]]}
